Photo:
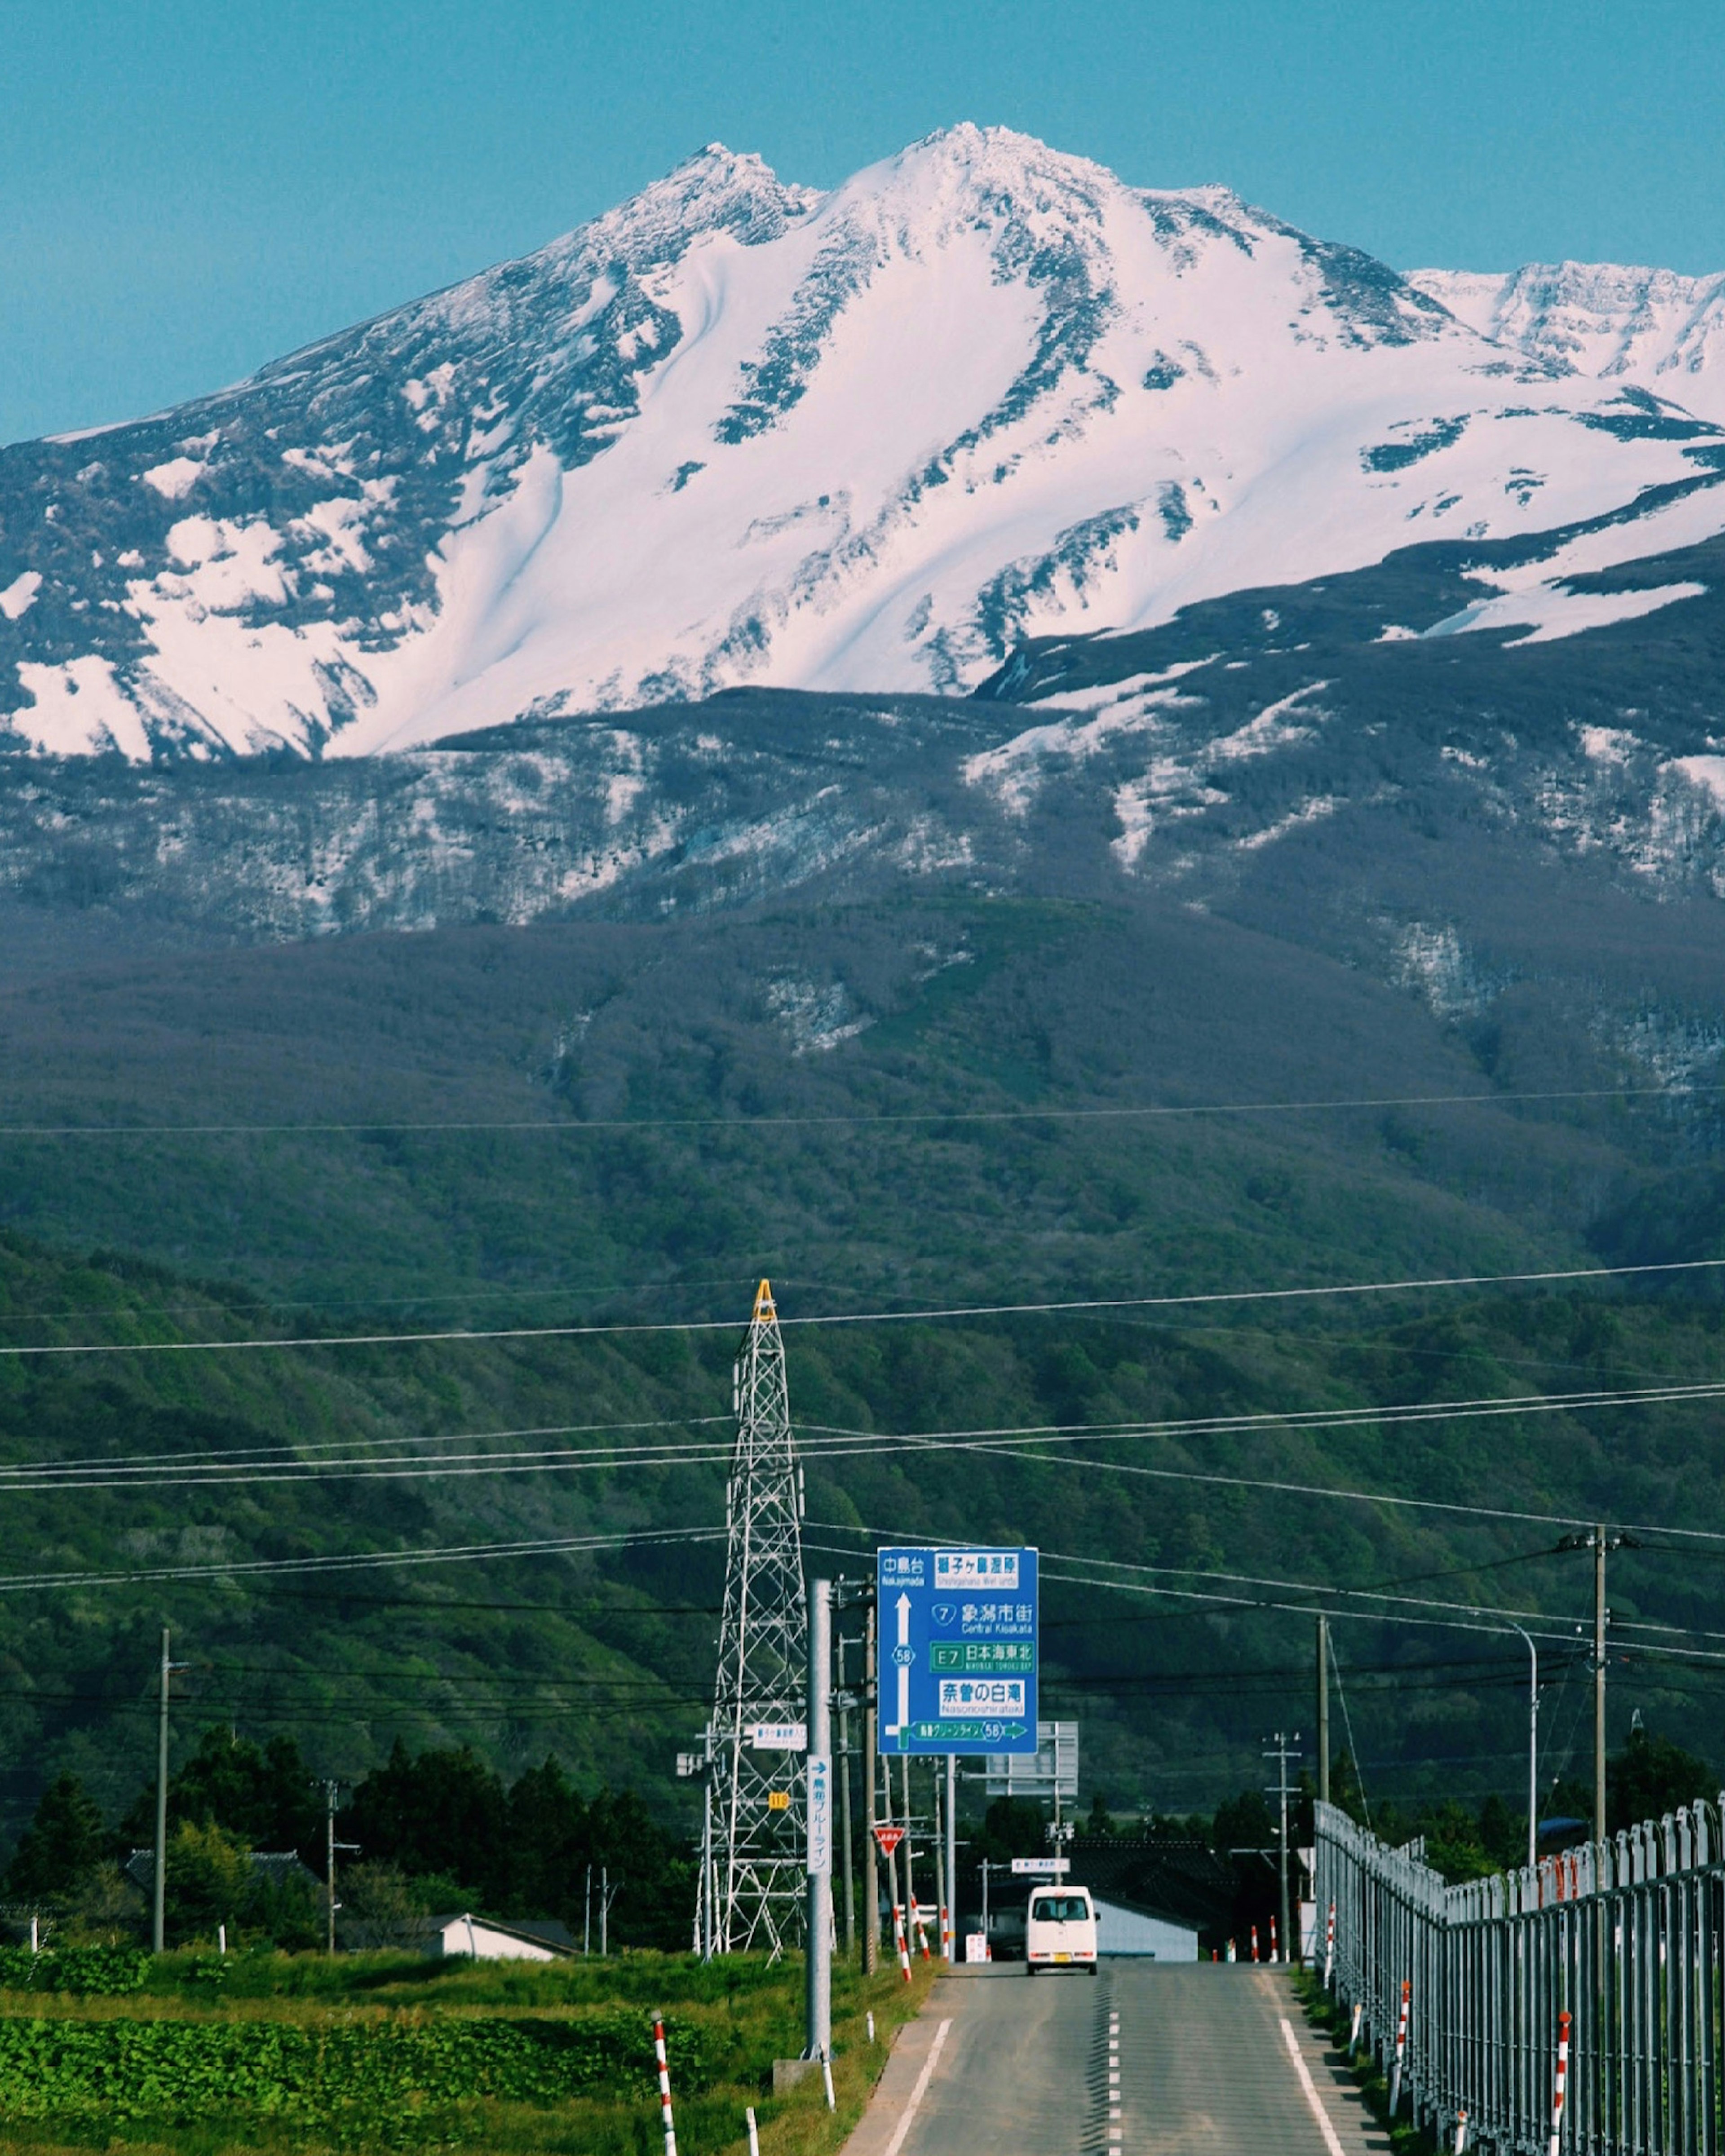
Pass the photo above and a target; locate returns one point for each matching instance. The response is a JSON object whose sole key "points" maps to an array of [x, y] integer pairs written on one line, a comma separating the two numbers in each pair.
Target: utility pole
{"points": [[1282, 1754], [904, 1788], [331, 1797], [845, 1808], [871, 1894], [818, 1930], [1598, 1683], [760, 1825], [608, 1895], [1532, 1749], [939, 1863], [953, 1853], [1323, 1709], [158, 1921], [329, 1868]]}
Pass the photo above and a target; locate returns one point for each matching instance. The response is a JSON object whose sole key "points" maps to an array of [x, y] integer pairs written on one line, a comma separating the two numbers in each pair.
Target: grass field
{"points": [[277, 2052]]}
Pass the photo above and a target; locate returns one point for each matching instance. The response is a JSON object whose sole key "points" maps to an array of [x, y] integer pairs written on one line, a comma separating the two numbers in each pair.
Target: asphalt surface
{"points": [[1179, 2060]]}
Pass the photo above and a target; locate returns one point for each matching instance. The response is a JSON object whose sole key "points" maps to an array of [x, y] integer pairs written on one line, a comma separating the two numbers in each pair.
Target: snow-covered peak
{"points": [[1656, 329], [740, 430]]}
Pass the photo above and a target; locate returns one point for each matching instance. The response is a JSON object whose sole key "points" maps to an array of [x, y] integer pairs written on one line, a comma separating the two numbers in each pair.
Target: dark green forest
{"points": [[620, 1124]]}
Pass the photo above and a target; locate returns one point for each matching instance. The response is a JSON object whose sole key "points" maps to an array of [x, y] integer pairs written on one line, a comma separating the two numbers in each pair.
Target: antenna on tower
{"points": [[754, 1880]]}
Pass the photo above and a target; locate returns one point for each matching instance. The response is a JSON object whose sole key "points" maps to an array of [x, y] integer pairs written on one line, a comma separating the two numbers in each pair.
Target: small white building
{"points": [[1122, 1931], [488, 1939]]}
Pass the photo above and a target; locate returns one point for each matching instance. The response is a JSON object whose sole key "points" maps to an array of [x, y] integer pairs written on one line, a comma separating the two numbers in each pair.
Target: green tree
{"points": [[263, 1794], [1650, 1776], [64, 1839], [550, 1843], [657, 1870], [440, 1812], [209, 1880]]}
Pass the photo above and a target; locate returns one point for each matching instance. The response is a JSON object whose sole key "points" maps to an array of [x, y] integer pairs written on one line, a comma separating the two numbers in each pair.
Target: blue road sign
{"points": [[957, 1630]]}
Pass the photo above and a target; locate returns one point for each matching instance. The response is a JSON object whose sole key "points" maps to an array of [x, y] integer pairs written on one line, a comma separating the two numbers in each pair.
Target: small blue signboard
{"points": [[957, 1633]]}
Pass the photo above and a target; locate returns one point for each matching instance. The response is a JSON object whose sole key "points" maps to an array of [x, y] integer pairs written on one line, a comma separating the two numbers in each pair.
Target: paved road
{"points": [[1146, 2059]]}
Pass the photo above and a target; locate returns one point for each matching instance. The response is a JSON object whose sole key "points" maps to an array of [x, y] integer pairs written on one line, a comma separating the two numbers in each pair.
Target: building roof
{"points": [[546, 1931], [1183, 1882]]}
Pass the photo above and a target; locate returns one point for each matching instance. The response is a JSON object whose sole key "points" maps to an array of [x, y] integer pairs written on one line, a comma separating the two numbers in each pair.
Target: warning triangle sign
{"points": [[889, 1838]]}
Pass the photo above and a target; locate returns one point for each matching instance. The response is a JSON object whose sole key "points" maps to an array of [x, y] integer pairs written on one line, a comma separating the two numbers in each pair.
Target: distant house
{"points": [[1123, 1930], [277, 1866], [486, 1938], [1169, 1899]]}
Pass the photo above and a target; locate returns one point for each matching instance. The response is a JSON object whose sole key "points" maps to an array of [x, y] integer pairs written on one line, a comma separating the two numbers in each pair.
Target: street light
{"points": [[1532, 1749]]}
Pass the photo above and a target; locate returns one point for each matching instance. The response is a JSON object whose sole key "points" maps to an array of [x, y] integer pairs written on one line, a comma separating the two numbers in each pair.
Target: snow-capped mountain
{"points": [[1650, 327], [738, 432]]}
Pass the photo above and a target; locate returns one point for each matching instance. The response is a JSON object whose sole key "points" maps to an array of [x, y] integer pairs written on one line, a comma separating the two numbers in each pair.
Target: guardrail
{"points": [[1624, 1940]]}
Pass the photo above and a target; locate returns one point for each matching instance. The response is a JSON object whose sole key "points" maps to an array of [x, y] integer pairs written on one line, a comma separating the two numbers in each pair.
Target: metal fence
{"points": [[1626, 1937]]}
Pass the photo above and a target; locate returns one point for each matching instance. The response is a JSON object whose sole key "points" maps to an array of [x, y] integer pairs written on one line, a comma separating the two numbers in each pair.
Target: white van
{"points": [[1060, 1930]]}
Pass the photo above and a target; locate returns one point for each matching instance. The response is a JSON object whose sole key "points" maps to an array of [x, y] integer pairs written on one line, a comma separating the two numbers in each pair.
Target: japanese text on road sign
{"points": [[957, 1649]]}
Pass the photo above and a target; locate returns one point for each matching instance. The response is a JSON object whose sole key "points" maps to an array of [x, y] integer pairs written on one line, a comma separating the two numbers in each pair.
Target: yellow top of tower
{"points": [[765, 1313]]}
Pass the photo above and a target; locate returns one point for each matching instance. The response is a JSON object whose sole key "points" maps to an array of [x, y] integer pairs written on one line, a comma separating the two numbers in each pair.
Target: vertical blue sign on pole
{"points": [[957, 1656]]}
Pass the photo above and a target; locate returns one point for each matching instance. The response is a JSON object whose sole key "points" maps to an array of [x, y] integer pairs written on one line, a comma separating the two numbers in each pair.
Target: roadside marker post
{"points": [[1330, 1947], [917, 1926], [1557, 2100], [1275, 1950], [1254, 1942], [898, 1940], [1401, 2048], [754, 2137], [1461, 2131], [664, 2100]]}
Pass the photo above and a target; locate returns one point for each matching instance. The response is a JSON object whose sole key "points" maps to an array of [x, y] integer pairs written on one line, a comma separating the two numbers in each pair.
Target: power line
{"points": [[249, 1466], [1686, 1266], [545, 1126], [453, 1553]]}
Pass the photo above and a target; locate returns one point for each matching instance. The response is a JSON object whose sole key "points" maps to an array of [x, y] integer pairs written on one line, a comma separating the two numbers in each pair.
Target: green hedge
{"points": [[179, 2071], [105, 1970]]}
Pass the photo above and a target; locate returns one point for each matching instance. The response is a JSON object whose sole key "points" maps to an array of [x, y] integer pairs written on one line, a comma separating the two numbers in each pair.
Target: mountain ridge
{"points": [[737, 431]]}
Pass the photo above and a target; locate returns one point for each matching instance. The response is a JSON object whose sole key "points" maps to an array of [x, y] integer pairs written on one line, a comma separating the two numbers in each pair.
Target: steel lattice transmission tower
{"points": [[753, 1876]]}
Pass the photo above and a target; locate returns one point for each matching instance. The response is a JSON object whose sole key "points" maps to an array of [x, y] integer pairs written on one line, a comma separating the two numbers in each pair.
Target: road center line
{"points": [[920, 2090], [1332, 2140]]}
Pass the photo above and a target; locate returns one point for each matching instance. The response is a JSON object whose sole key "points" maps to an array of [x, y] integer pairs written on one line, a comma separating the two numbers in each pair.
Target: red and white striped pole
{"points": [[1460, 2133], [664, 2102], [1330, 1947], [1556, 2099], [917, 1926], [899, 1940], [1254, 1942], [1401, 2049], [1275, 1950], [946, 1934]]}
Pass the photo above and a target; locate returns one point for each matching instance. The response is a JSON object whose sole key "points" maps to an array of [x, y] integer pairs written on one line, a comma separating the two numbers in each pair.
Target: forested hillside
{"points": [[253, 1481]]}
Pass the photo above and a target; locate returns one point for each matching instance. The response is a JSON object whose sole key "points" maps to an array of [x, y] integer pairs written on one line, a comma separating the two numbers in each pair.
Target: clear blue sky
{"points": [[191, 188]]}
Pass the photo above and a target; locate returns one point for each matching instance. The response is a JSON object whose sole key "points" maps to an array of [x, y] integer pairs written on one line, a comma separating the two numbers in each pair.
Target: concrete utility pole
{"points": [[953, 1853], [872, 1895], [1323, 1709], [1281, 1753], [331, 1799], [844, 1812], [608, 1895], [940, 1864], [818, 1931], [904, 1787], [158, 1920], [1598, 1683], [1533, 1748]]}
